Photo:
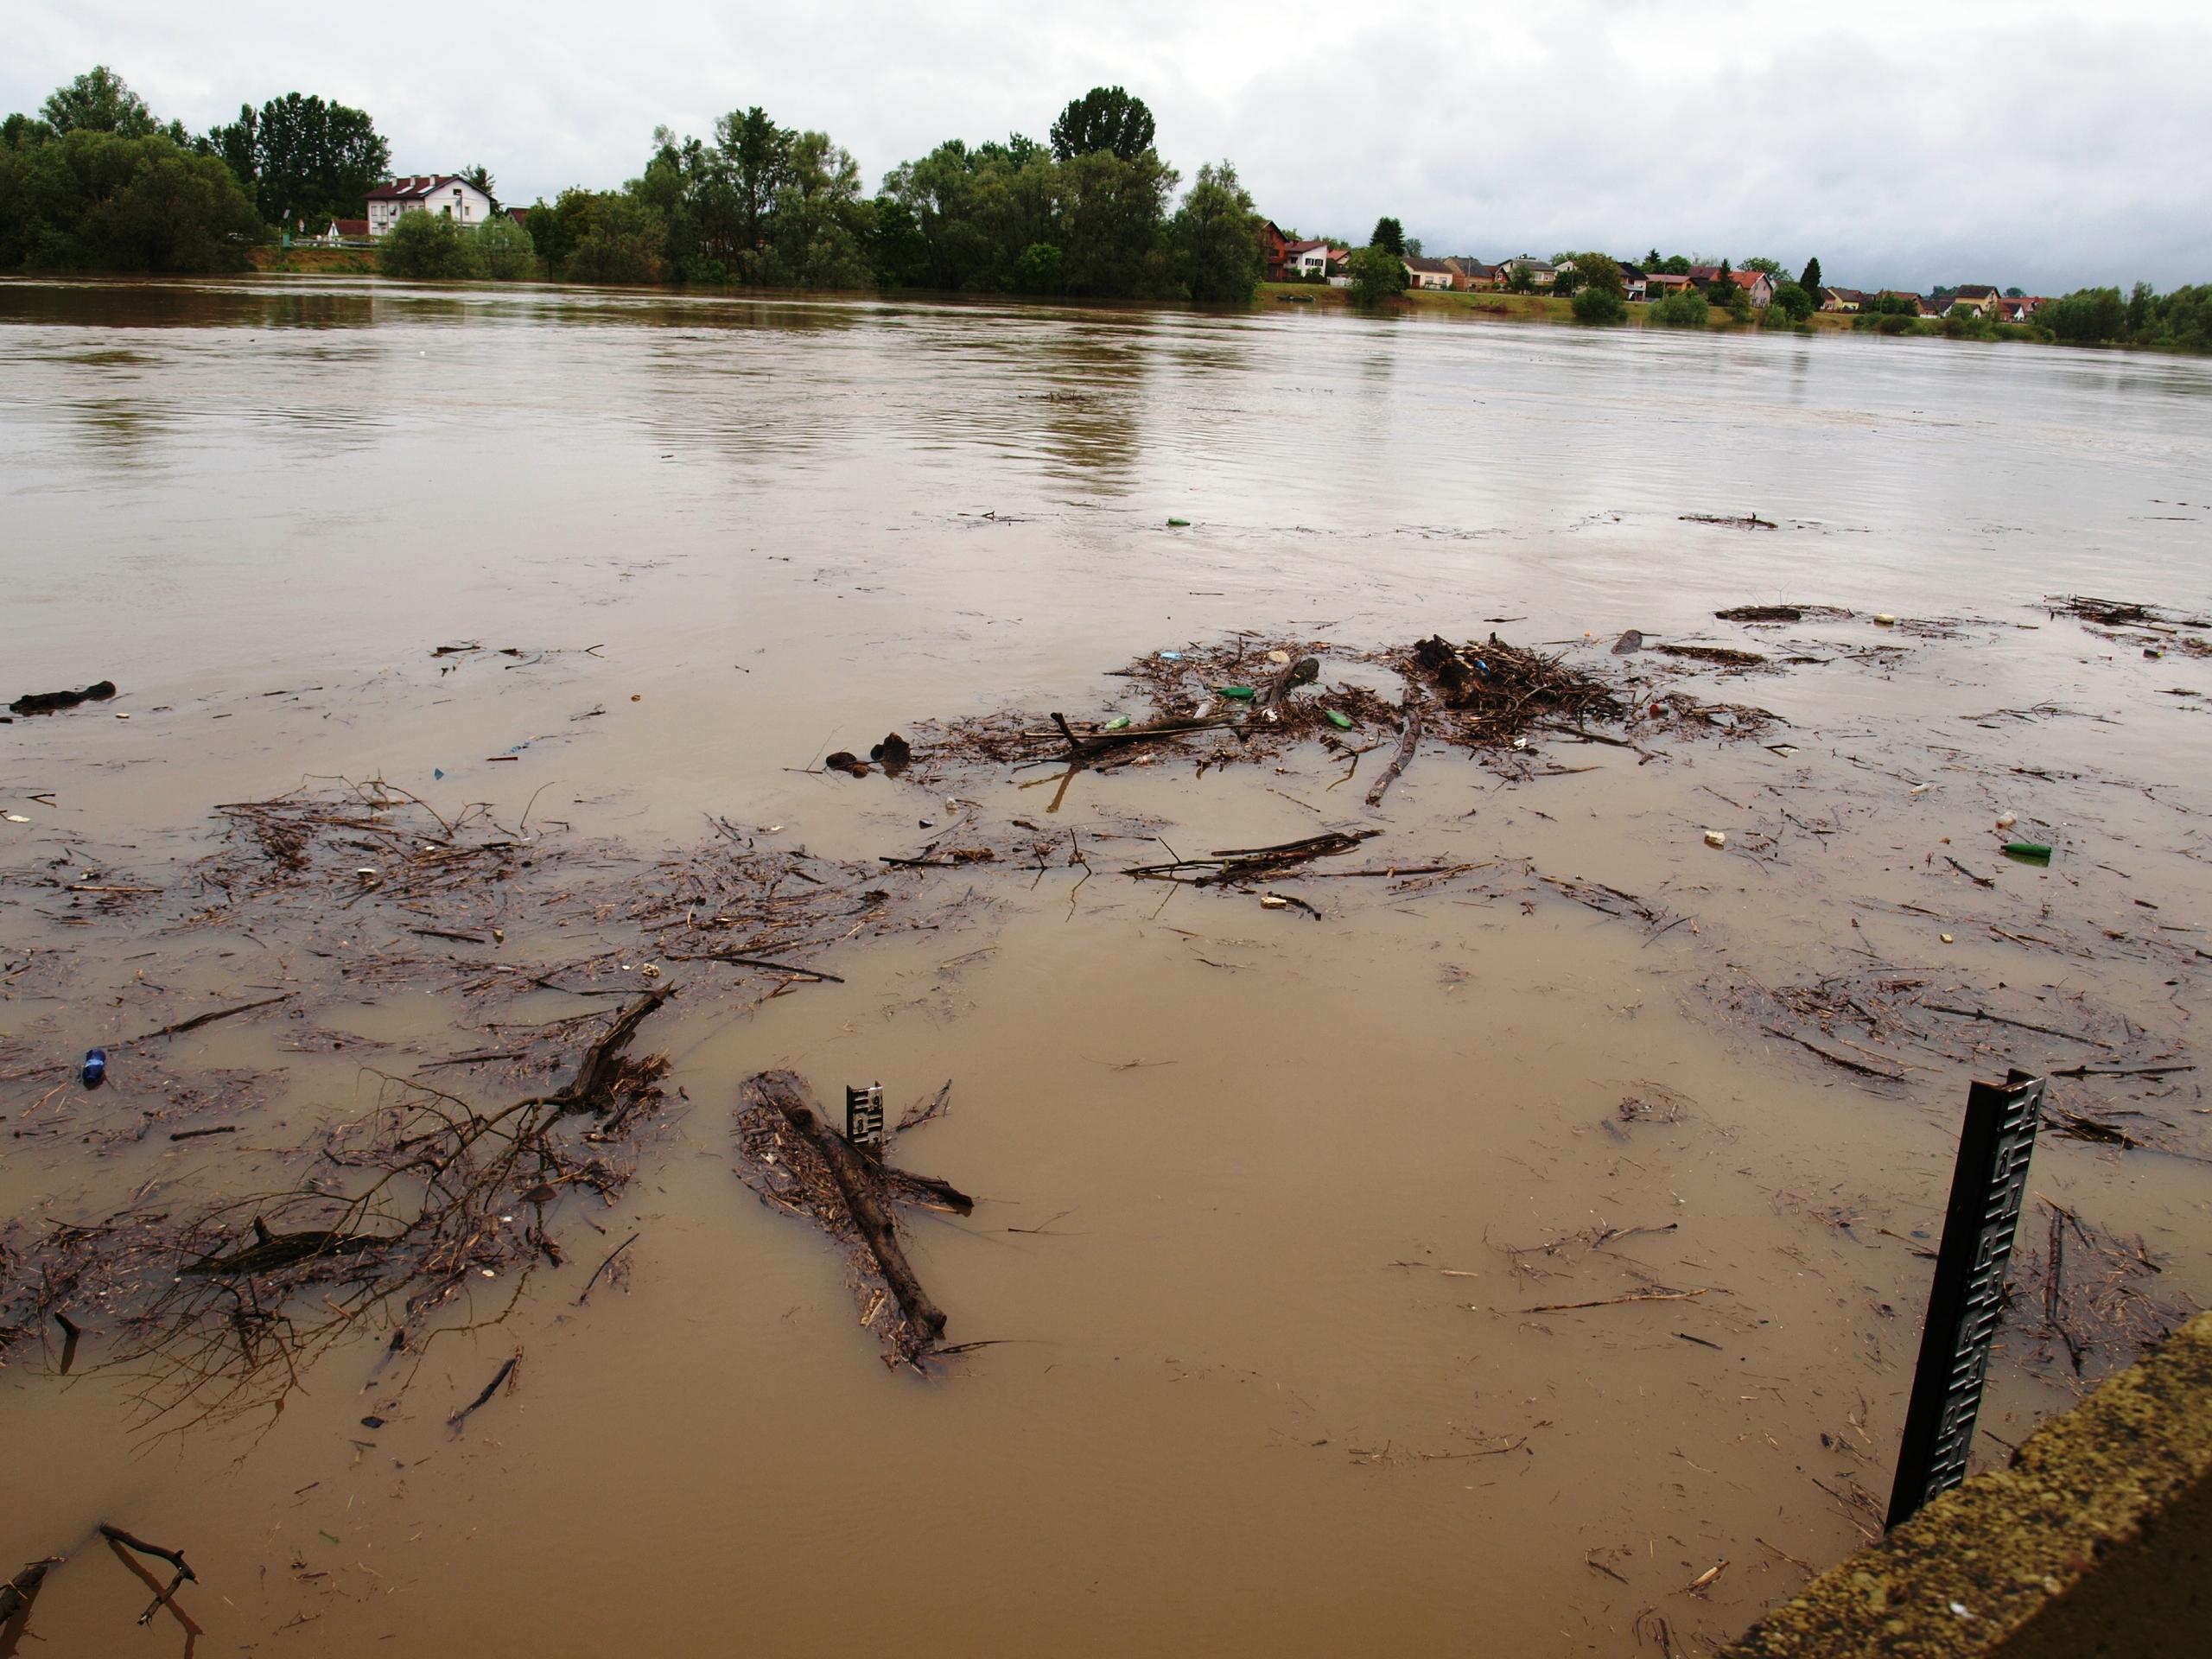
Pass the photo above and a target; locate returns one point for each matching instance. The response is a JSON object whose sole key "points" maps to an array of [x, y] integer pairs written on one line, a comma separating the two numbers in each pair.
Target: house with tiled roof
{"points": [[2018, 310], [1424, 272], [1308, 259], [1469, 272], [1842, 299], [1541, 273], [1979, 298], [346, 230], [436, 192]]}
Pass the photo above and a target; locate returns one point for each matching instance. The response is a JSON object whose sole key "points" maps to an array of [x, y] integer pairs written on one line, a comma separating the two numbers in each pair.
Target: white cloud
{"points": [[1904, 144]]}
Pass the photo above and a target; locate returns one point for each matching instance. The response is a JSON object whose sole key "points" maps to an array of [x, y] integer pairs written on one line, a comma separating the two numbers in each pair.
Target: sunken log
{"points": [[861, 1185]]}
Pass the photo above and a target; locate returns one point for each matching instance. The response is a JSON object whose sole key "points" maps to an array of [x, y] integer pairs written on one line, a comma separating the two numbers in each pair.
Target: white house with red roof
{"points": [[430, 193]]}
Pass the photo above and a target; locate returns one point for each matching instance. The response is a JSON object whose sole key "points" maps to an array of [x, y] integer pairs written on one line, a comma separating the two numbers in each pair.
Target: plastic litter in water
{"points": [[1883, 619], [1241, 693], [1120, 722], [1171, 656], [95, 1071], [1342, 722], [1179, 524], [437, 771], [2006, 820], [1716, 838], [2028, 852]]}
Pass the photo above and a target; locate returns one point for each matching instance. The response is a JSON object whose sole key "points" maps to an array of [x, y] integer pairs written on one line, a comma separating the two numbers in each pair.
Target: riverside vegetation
{"points": [[97, 182]]}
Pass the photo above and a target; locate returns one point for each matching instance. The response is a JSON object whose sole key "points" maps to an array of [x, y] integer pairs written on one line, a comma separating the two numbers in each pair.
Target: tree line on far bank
{"points": [[1090, 213], [96, 181]]}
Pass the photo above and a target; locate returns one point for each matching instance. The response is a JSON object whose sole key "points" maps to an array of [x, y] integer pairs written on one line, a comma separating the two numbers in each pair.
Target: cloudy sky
{"points": [[2001, 141]]}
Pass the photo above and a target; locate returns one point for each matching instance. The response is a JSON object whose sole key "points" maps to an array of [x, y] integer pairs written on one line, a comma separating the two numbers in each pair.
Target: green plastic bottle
{"points": [[2028, 852], [1341, 722], [1241, 693]]}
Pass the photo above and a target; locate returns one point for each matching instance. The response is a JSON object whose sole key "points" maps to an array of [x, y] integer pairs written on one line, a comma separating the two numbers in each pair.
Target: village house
{"points": [[1542, 272], [1468, 272], [2018, 310], [1272, 243], [346, 230], [1977, 299], [1664, 285], [1842, 299], [442, 193], [1758, 284], [1424, 272], [1635, 281], [1305, 261]]}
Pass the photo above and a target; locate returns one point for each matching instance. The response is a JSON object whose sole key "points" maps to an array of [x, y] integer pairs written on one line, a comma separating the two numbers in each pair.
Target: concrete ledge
{"points": [[2095, 1543]]}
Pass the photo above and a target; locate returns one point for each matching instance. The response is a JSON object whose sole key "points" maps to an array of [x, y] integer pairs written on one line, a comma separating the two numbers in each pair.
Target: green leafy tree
{"points": [[1651, 261], [504, 249], [1687, 309], [1599, 305], [1767, 267], [1103, 118], [1377, 274], [2086, 317], [818, 232], [428, 247], [1810, 282], [1738, 301], [896, 246], [1113, 224], [1041, 269], [1388, 234], [1675, 264], [1521, 280], [2015, 294], [93, 199], [1217, 249], [1791, 302], [622, 240], [100, 100], [303, 159], [1600, 271], [480, 175]]}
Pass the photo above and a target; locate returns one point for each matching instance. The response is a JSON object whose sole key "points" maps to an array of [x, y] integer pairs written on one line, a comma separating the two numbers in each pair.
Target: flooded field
{"points": [[1464, 1233]]}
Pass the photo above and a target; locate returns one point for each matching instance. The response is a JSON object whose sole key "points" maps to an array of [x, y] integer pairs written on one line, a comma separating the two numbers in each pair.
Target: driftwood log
{"points": [[1408, 740], [20, 1592], [863, 1185]]}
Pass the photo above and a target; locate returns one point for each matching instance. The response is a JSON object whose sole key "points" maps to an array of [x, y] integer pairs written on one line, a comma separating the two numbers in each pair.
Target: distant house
{"points": [[1272, 243], [439, 193], [520, 215], [1308, 259], [1932, 305], [2018, 310], [1469, 272], [1542, 272], [1636, 282], [1842, 299], [1977, 298], [1659, 284], [346, 230], [1423, 272], [1758, 284]]}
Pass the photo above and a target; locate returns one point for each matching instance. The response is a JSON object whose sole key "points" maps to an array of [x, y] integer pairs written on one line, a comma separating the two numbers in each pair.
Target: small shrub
{"points": [[1598, 305], [504, 249], [428, 246], [1686, 309]]}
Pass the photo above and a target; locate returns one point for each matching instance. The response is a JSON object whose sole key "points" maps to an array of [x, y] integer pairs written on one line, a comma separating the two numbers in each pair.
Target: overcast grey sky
{"points": [[2051, 146]]}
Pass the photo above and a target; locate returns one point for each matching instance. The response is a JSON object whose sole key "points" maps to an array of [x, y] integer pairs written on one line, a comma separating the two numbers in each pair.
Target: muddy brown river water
{"points": [[1269, 1197]]}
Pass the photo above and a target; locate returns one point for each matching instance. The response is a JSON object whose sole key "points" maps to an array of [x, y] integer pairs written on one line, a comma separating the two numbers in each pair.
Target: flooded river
{"points": [[1283, 1210]]}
